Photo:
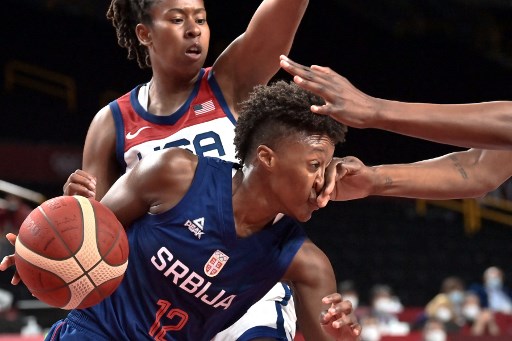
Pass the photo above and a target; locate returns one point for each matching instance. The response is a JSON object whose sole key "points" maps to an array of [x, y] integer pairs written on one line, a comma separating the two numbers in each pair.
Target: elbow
{"points": [[484, 187]]}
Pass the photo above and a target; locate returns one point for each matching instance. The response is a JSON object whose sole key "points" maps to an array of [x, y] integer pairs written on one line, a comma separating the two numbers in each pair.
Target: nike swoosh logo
{"points": [[131, 136]]}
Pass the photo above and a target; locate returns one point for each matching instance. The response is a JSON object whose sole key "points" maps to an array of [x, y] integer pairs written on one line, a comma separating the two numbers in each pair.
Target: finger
{"points": [[11, 237], [325, 109], [341, 308], [292, 66], [332, 298], [78, 189], [80, 182], [329, 186], [16, 279], [303, 75], [356, 328], [344, 320], [7, 262]]}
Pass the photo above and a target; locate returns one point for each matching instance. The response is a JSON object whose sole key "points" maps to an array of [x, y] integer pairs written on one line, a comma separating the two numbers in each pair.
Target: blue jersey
{"points": [[190, 276]]}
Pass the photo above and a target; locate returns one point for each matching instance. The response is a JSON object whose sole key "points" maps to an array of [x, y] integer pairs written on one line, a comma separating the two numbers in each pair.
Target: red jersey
{"points": [[203, 124]]}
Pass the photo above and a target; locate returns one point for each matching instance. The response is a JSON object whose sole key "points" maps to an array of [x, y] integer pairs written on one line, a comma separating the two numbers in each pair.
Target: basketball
{"points": [[71, 252]]}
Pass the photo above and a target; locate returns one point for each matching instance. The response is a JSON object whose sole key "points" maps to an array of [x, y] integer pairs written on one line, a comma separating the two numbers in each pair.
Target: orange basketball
{"points": [[71, 252]]}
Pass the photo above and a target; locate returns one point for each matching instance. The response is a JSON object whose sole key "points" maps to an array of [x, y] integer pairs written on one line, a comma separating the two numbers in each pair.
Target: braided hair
{"points": [[125, 15]]}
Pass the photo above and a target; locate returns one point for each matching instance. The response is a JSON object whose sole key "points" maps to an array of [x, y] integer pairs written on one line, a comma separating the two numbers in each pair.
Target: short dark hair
{"points": [[277, 110]]}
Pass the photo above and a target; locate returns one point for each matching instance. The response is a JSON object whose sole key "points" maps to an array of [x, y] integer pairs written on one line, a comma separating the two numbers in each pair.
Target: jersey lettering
{"points": [[189, 281], [177, 316], [202, 143]]}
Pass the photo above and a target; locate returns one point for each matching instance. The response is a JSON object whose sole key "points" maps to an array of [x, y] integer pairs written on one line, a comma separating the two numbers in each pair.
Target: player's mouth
{"points": [[194, 51]]}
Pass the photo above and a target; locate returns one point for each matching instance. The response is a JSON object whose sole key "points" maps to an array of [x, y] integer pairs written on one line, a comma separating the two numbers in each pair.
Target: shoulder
{"points": [[309, 265], [174, 161], [162, 179], [103, 116]]}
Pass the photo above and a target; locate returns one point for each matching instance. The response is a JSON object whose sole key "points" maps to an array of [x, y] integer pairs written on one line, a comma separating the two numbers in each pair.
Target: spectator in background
{"points": [[434, 330], [370, 329], [13, 211], [348, 291], [11, 321], [446, 306], [385, 307], [478, 321], [493, 293]]}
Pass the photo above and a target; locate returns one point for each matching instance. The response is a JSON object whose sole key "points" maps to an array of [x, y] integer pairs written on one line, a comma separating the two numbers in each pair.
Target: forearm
{"points": [[477, 125], [468, 174]]}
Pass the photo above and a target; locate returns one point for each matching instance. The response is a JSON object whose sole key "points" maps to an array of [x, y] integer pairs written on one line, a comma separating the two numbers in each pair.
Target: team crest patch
{"points": [[215, 263]]}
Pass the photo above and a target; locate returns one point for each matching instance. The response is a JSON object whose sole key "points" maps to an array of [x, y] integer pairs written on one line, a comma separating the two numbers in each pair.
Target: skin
{"points": [[466, 174], [483, 125], [159, 181], [178, 41]]}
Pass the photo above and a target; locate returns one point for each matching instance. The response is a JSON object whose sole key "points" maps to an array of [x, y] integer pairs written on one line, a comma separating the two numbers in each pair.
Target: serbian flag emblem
{"points": [[203, 108], [215, 263]]}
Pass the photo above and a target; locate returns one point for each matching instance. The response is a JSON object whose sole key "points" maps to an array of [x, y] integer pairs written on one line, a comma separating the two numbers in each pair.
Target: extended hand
{"points": [[344, 102], [346, 178], [339, 320], [80, 183]]}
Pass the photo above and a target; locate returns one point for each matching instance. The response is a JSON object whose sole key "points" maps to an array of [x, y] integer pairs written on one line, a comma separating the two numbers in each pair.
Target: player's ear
{"points": [[143, 34], [266, 156]]}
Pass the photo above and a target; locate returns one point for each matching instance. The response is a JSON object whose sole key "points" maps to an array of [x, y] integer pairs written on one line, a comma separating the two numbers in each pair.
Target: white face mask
{"points": [[353, 299], [471, 311], [494, 282], [456, 297], [387, 305], [370, 333], [435, 335], [444, 314]]}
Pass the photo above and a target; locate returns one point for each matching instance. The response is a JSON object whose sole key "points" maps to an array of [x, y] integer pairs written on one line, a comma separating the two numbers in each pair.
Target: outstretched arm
{"points": [[467, 174], [312, 278], [476, 125], [253, 57]]}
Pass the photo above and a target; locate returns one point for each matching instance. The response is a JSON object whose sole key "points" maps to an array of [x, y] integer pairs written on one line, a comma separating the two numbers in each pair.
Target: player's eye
{"points": [[176, 20]]}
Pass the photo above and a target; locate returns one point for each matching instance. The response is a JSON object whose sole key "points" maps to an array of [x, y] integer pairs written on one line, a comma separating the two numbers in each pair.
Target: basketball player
{"points": [[186, 105], [209, 244], [465, 174]]}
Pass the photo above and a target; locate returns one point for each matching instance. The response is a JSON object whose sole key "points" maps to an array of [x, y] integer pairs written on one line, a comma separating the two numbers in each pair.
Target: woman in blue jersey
{"points": [[188, 105], [186, 285]]}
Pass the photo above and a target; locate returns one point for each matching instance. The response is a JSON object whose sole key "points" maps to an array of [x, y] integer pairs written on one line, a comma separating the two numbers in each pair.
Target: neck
{"points": [[167, 94], [252, 209]]}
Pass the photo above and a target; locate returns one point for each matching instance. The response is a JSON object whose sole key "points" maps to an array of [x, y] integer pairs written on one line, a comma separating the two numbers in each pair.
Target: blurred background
{"points": [[60, 64]]}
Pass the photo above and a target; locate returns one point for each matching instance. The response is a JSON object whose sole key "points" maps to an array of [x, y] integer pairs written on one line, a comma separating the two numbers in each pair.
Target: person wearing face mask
{"points": [[446, 306], [370, 329], [385, 307], [442, 310], [478, 321], [434, 331], [348, 291], [493, 293]]}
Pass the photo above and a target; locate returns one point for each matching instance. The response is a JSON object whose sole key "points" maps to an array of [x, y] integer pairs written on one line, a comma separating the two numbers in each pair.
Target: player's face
{"points": [[299, 173], [179, 35]]}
